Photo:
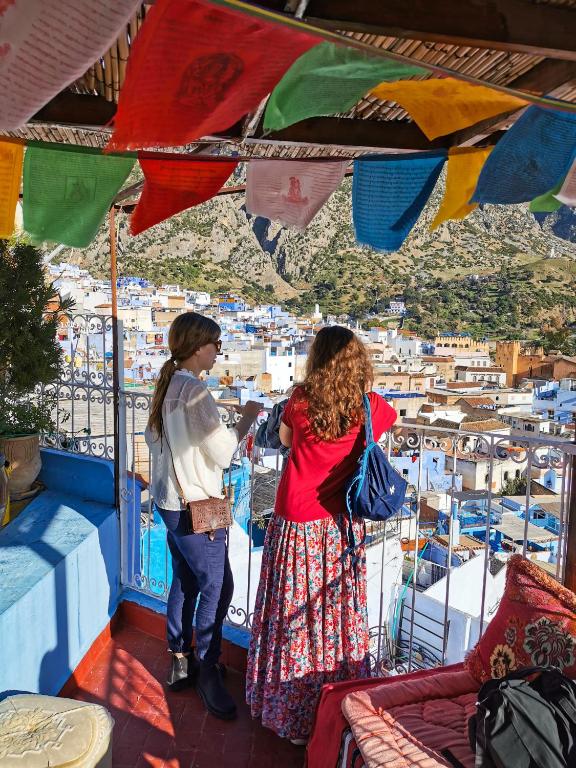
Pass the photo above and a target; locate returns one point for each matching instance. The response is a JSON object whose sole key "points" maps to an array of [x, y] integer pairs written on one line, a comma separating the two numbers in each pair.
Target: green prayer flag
{"points": [[326, 80], [547, 203], [69, 190]]}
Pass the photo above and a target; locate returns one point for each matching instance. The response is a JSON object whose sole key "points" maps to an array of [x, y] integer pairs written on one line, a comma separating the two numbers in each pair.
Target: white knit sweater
{"points": [[189, 457]]}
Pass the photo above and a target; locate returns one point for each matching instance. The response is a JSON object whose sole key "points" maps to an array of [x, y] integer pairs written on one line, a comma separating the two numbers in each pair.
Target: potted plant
{"points": [[30, 357]]}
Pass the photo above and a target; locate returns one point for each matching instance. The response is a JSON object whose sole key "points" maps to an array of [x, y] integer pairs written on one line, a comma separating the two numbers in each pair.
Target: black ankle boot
{"points": [[178, 677], [211, 690]]}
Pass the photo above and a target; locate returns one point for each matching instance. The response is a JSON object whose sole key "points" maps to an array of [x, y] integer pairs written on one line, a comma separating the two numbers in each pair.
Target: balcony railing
{"points": [[435, 572]]}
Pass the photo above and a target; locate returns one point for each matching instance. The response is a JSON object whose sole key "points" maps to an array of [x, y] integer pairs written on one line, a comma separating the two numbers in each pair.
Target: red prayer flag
{"points": [[196, 69], [172, 186]]}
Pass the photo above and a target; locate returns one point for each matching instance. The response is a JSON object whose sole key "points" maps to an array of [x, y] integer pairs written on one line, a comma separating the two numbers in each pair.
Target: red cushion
{"points": [[535, 625]]}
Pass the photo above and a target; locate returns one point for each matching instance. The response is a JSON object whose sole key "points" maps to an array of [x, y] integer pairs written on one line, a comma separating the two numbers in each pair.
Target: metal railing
{"points": [[435, 572], [83, 396]]}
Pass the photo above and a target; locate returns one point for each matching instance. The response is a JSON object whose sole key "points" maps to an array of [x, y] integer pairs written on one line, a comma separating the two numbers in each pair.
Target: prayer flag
{"points": [[47, 44], [68, 191], [442, 106], [548, 202], [464, 166], [291, 192], [567, 193], [530, 159], [326, 80], [172, 186], [11, 155], [196, 69], [389, 193]]}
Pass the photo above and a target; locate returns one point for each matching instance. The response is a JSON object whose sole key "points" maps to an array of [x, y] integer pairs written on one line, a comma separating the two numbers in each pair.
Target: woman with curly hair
{"points": [[310, 624]]}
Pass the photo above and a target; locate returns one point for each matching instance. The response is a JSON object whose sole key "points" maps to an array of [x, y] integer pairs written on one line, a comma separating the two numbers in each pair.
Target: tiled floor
{"points": [[155, 727]]}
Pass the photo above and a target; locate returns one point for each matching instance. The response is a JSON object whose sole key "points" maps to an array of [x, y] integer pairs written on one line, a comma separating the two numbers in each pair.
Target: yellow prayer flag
{"points": [[464, 166], [442, 106], [11, 156]]}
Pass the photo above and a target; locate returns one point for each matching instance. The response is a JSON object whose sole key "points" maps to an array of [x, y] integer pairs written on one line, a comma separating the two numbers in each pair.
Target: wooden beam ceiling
{"points": [[508, 25], [83, 110], [544, 78], [347, 132], [78, 109]]}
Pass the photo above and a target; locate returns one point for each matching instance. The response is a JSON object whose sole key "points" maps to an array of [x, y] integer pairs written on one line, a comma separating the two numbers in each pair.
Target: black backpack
{"points": [[521, 723]]}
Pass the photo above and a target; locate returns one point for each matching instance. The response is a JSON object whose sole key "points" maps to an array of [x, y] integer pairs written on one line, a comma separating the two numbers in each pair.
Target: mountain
{"points": [[491, 273]]}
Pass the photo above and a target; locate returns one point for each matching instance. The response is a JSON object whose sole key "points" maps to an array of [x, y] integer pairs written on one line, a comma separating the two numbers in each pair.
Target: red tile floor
{"points": [[155, 727]]}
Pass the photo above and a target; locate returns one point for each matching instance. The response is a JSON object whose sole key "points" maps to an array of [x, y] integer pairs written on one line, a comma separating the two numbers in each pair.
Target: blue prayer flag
{"points": [[530, 159], [389, 193]]}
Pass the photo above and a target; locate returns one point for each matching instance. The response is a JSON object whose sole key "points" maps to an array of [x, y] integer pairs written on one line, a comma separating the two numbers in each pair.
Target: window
{"points": [[486, 478], [404, 473], [517, 474], [403, 412], [291, 378], [225, 357], [289, 365], [506, 474]]}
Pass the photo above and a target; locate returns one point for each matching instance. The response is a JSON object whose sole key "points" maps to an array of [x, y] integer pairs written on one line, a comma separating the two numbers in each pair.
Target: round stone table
{"points": [[38, 731]]}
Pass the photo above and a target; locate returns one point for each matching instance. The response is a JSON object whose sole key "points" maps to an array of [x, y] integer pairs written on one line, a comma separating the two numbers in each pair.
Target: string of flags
{"points": [[196, 69]]}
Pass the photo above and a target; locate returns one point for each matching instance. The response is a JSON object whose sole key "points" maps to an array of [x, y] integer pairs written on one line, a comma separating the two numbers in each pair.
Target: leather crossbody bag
{"points": [[206, 515]]}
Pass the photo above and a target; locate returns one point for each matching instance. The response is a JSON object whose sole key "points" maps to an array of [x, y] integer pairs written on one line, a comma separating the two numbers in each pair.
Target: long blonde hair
{"points": [[188, 333], [338, 372]]}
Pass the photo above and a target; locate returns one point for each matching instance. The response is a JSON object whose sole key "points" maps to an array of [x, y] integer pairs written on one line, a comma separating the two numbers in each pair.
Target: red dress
{"points": [[312, 486], [306, 629]]}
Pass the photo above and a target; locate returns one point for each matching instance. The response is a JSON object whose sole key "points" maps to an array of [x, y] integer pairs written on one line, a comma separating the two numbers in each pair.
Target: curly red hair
{"points": [[338, 372]]}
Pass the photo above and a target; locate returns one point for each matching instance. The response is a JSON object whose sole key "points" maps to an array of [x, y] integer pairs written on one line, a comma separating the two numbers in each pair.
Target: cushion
{"points": [[535, 625], [408, 723], [329, 722], [38, 731]]}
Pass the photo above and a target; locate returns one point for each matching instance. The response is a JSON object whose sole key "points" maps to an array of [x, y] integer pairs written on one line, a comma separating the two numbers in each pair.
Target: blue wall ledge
{"points": [[59, 573]]}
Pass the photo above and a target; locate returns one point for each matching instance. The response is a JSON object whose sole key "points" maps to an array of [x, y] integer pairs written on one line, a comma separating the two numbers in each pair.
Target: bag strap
{"points": [[368, 420], [173, 466]]}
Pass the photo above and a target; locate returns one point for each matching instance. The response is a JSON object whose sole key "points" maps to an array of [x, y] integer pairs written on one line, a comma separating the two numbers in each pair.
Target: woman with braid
{"points": [[190, 448]]}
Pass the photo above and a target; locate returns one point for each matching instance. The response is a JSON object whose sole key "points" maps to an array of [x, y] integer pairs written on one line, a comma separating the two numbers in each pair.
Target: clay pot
{"points": [[23, 453]]}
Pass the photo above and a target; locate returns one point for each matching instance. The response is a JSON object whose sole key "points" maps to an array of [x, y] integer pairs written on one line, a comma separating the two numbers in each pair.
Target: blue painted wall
{"points": [[59, 574]]}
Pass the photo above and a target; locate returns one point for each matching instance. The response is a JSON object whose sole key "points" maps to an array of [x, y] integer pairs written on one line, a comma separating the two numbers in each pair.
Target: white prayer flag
{"points": [[47, 44], [567, 194], [291, 192]]}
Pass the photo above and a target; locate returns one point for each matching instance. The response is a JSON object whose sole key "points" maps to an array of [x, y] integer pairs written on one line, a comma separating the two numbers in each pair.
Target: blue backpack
{"points": [[375, 491]]}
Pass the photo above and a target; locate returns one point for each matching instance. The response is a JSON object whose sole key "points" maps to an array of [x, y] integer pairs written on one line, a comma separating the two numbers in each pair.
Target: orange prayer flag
{"points": [[442, 106], [172, 186], [464, 166], [196, 69], [11, 156]]}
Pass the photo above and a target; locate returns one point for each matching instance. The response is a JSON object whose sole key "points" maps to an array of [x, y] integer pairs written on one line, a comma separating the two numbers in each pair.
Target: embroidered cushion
{"points": [[535, 625]]}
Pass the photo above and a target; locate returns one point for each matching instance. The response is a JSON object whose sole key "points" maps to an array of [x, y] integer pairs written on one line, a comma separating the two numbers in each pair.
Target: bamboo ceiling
{"points": [[517, 68]]}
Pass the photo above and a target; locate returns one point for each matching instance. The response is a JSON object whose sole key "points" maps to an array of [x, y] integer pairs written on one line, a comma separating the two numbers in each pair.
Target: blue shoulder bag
{"points": [[375, 491]]}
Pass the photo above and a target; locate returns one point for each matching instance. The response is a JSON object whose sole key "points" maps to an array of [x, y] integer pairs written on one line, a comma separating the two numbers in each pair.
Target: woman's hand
{"points": [[252, 409], [249, 415]]}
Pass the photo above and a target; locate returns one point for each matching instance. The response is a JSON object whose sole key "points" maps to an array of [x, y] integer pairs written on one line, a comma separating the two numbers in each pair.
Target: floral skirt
{"points": [[310, 624]]}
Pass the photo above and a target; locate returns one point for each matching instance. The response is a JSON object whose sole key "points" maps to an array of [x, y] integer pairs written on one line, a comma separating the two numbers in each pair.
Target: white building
{"points": [[486, 375], [556, 400], [406, 346]]}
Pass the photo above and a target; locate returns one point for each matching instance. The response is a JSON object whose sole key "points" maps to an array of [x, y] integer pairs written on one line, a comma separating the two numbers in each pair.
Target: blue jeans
{"points": [[199, 567]]}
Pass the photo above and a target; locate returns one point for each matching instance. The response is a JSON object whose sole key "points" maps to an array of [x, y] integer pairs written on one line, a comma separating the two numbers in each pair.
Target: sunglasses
{"points": [[218, 345]]}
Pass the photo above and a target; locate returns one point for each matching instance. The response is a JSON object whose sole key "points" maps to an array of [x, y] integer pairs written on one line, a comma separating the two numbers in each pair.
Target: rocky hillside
{"points": [[218, 246]]}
